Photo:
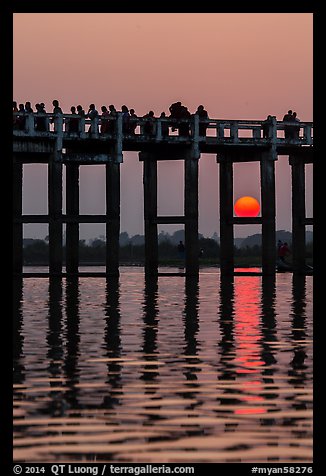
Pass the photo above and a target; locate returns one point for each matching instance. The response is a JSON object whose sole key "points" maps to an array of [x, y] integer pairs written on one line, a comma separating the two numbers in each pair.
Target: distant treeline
{"points": [[37, 251]]}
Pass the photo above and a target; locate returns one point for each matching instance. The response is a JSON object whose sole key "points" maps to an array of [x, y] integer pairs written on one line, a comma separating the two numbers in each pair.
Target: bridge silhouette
{"points": [[230, 140]]}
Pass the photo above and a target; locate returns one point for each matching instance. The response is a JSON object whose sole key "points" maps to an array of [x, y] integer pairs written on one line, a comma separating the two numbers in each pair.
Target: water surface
{"points": [[166, 370]]}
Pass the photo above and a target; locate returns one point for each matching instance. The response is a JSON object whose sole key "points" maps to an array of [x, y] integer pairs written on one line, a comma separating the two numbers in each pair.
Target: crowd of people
{"points": [[130, 119], [179, 119]]}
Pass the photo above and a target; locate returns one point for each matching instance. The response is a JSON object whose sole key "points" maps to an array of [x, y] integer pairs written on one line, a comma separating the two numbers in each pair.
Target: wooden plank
{"points": [[169, 219], [247, 220]]}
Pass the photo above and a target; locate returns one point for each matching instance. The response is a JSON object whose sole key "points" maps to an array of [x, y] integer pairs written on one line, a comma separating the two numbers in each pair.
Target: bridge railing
{"points": [[159, 129]]}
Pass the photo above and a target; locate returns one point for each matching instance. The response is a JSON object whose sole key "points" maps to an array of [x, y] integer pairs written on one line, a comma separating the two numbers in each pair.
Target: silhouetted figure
{"points": [[203, 116], [15, 118], [28, 108], [266, 127], [296, 128], [21, 119], [287, 129], [113, 117], [92, 114], [132, 121], [104, 120], [40, 119], [149, 124], [56, 108], [284, 251], [164, 125], [80, 111], [125, 119], [72, 124], [175, 113], [181, 250]]}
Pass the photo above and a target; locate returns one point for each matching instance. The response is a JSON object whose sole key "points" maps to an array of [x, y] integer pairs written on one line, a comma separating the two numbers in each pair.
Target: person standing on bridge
{"points": [[203, 116], [28, 108], [164, 125], [266, 127], [72, 124], [296, 128], [287, 129], [132, 122], [92, 114], [113, 117], [125, 119], [56, 108], [104, 120], [149, 124]]}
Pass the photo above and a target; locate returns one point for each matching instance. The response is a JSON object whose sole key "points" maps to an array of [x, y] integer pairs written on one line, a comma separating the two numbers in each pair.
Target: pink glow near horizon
{"points": [[240, 66]]}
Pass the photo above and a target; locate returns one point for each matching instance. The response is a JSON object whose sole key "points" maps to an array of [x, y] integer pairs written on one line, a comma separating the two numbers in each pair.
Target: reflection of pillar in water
{"points": [[72, 340], [150, 330], [112, 342], [18, 338], [298, 332], [191, 325], [268, 327], [226, 343], [55, 345]]}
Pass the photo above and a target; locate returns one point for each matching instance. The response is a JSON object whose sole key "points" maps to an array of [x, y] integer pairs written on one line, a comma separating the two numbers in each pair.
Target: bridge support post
{"points": [[112, 217], [298, 213], [55, 215], [17, 216], [150, 214], [226, 216], [191, 215], [72, 228], [267, 184]]}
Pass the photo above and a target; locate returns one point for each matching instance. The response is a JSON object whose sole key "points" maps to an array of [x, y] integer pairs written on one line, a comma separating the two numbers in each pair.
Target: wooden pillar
{"points": [[191, 216], [298, 214], [226, 217], [17, 216], [72, 228], [113, 217], [55, 215], [150, 214], [267, 184]]}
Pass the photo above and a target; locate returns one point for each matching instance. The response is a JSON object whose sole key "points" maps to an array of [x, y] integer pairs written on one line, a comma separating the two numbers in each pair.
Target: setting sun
{"points": [[247, 207]]}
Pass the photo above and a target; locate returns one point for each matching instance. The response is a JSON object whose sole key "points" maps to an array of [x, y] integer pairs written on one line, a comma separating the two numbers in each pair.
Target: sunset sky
{"points": [[238, 65]]}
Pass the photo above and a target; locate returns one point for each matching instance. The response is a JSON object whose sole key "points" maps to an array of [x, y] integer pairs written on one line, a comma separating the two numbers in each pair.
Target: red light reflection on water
{"points": [[248, 340]]}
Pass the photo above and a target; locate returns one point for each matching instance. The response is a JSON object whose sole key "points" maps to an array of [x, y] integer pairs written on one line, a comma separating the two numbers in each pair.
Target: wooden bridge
{"points": [[230, 140]]}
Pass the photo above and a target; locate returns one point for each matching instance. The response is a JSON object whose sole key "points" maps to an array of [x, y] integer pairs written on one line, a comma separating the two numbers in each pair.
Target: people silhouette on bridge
{"points": [[113, 116], [287, 129], [104, 120], [266, 127], [295, 128], [28, 108], [203, 116], [125, 119], [21, 118], [132, 121], [72, 124], [164, 125], [91, 114], [149, 124], [40, 122]]}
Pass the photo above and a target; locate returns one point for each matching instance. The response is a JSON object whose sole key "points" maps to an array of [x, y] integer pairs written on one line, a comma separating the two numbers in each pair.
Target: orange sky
{"points": [[240, 66]]}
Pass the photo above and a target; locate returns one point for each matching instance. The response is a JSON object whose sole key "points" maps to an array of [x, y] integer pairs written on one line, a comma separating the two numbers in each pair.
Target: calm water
{"points": [[208, 370]]}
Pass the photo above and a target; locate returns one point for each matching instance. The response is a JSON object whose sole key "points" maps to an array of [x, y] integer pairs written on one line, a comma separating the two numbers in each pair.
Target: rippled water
{"points": [[173, 370]]}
